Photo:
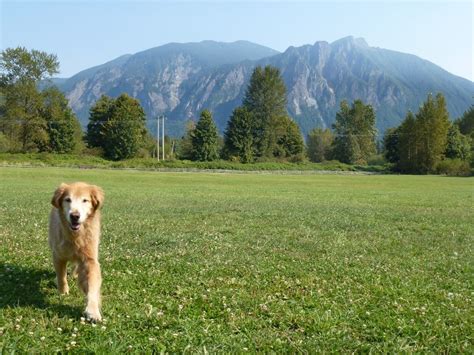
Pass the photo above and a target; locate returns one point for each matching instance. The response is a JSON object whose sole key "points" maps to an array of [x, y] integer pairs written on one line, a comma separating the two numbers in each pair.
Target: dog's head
{"points": [[77, 202]]}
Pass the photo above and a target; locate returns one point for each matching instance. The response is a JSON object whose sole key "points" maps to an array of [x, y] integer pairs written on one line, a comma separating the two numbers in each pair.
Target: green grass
{"points": [[202, 262]]}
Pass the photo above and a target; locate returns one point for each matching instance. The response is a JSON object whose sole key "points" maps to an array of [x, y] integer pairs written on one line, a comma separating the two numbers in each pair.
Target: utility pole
{"points": [[158, 138], [163, 136]]}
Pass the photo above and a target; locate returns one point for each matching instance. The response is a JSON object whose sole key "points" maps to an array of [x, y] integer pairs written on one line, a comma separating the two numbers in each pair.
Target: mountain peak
{"points": [[351, 40], [211, 53]]}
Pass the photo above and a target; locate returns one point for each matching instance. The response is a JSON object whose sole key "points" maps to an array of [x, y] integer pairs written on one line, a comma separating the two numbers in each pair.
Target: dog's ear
{"points": [[97, 197], [58, 195]]}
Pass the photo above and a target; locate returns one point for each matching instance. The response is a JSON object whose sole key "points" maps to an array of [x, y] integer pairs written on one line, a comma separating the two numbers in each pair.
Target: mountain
{"points": [[180, 80]]}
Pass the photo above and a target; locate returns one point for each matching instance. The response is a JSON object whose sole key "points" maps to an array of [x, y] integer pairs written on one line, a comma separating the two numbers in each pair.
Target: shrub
{"points": [[376, 159], [453, 167]]}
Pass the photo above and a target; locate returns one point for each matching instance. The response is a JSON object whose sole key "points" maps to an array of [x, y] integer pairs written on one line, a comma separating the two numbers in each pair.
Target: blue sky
{"points": [[88, 33]]}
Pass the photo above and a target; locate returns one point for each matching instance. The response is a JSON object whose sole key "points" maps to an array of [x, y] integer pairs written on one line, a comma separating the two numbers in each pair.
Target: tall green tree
{"points": [[391, 140], [319, 144], [63, 128], [18, 65], [432, 125], [424, 137], [20, 72], [289, 141], [125, 129], [238, 137], [118, 127], [408, 143], [265, 100], [205, 138], [355, 133]]}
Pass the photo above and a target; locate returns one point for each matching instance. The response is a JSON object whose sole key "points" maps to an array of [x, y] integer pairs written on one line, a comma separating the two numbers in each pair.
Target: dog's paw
{"points": [[93, 316], [64, 291]]}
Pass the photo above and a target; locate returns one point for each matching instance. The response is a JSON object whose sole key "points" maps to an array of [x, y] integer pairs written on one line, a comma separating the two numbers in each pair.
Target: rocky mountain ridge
{"points": [[180, 80]]}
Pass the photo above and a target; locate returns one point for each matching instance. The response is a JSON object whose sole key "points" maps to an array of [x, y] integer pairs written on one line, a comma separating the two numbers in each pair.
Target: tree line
{"points": [[428, 142], [260, 129]]}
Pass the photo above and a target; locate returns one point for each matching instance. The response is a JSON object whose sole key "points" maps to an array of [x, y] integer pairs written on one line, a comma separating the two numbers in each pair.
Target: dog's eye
{"points": [[67, 199], [85, 200]]}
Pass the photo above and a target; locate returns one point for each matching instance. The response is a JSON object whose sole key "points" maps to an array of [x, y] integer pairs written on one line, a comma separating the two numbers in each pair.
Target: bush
{"points": [[94, 151], [453, 167], [377, 159], [297, 158]]}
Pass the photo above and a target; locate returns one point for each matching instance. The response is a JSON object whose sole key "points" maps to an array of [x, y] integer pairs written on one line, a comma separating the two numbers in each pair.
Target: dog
{"points": [[74, 232]]}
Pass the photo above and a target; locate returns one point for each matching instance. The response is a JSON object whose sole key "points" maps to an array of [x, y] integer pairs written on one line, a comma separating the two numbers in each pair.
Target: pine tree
{"points": [[238, 137], [319, 144], [265, 100], [205, 138], [391, 145], [466, 122]]}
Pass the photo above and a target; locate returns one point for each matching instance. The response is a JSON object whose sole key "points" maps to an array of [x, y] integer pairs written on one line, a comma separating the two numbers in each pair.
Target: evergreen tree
{"points": [[355, 133], [319, 144], [466, 122], [238, 137], [205, 138], [391, 145], [265, 100]]}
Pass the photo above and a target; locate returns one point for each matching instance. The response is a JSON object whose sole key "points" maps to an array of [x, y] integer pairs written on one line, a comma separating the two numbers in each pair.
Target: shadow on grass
{"points": [[30, 287]]}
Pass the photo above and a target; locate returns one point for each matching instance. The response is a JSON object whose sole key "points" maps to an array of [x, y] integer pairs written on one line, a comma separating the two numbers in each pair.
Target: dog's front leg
{"points": [[90, 280], [61, 275]]}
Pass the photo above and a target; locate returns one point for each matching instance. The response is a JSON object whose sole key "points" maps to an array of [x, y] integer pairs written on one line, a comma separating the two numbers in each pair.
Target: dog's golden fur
{"points": [[74, 232]]}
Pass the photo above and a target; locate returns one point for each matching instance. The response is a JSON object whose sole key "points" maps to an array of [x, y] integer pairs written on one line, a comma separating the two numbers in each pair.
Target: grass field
{"points": [[201, 262]]}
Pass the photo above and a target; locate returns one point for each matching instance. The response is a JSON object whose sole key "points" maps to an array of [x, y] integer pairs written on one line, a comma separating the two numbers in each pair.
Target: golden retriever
{"points": [[74, 231]]}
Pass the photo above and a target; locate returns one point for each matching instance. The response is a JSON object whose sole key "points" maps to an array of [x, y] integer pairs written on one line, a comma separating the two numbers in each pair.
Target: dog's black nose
{"points": [[74, 216]]}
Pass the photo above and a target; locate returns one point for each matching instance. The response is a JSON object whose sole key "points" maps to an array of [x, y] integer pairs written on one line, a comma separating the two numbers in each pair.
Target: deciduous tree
{"points": [[319, 144], [355, 133], [20, 72], [118, 127]]}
